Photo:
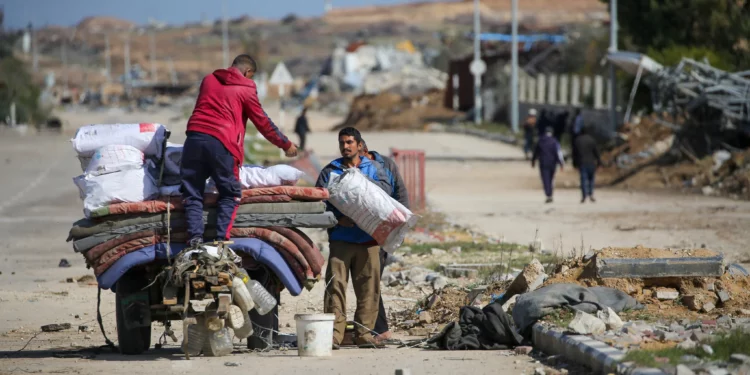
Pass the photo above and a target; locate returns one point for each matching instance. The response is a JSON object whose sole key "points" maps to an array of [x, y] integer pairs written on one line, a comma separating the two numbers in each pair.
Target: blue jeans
{"points": [[588, 172]]}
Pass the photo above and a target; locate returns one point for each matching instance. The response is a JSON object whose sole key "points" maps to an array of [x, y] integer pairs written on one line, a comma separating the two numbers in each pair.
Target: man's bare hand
{"points": [[345, 221], [291, 151]]}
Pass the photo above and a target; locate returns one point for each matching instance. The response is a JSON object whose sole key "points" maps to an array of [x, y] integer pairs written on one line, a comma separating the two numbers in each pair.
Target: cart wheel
{"points": [[134, 340]]}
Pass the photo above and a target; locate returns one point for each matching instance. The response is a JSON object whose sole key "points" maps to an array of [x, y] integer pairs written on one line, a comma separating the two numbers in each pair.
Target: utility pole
{"points": [[225, 34], [107, 58], [612, 78], [34, 51], [514, 67], [477, 67], [126, 56], [64, 52], [152, 47]]}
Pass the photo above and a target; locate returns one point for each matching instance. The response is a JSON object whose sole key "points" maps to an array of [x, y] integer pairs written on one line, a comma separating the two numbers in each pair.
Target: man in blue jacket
{"points": [[399, 193], [549, 154], [352, 249]]}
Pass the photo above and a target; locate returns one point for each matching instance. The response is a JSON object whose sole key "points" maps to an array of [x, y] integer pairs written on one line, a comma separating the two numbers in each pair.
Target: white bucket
{"points": [[314, 334]]}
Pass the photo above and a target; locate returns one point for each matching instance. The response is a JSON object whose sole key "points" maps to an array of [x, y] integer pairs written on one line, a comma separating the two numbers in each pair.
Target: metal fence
{"points": [[411, 164]]}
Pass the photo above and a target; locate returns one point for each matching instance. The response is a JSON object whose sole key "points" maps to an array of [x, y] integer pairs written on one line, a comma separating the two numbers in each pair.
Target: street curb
{"points": [[584, 350]]}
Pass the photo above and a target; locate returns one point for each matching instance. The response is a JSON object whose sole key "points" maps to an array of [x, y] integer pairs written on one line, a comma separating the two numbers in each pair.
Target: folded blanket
{"points": [[175, 204], [287, 248], [85, 228], [305, 245]]}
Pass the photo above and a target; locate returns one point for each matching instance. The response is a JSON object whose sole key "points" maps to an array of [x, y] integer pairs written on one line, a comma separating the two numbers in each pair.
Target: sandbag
{"points": [[376, 213], [253, 176], [148, 138], [114, 158], [134, 185]]}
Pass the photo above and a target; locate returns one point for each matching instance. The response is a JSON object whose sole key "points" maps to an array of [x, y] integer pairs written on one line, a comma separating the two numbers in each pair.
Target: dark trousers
{"points": [[264, 326], [302, 140], [381, 324], [548, 179], [588, 173], [204, 156]]}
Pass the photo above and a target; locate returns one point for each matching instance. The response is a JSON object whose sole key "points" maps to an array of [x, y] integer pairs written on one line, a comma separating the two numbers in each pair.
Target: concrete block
{"points": [[708, 306], [425, 317], [659, 267], [531, 277], [665, 294], [610, 319], [587, 324], [739, 358], [723, 296], [523, 350]]}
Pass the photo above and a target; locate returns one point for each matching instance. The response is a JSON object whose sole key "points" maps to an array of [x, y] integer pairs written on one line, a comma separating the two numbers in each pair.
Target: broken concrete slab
{"points": [[531, 277], [523, 350], [659, 267], [708, 306], [425, 317], [723, 296], [586, 324], [439, 282], [510, 302], [56, 327], [665, 294]]}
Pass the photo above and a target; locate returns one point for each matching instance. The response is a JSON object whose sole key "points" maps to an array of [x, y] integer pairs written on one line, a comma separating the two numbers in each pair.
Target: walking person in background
{"points": [[400, 194], [528, 133], [549, 154], [302, 128], [587, 159]]}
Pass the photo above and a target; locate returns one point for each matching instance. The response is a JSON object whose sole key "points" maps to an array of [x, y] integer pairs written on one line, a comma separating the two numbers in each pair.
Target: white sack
{"points": [[148, 138], [253, 176], [372, 209], [80, 182], [114, 158], [134, 185]]}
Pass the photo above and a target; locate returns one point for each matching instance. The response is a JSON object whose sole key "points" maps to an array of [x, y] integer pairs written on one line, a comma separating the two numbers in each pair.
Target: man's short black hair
{"points": [[352, 132], [245, 62]]}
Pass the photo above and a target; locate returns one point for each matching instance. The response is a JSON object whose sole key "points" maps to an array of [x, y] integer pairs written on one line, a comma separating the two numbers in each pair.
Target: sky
{"points": [[18, 13]]}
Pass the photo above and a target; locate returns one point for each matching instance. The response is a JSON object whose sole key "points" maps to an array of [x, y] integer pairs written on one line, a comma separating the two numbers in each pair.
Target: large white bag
{"points": [[148, 138], [114, 158], [253, 176], [372, 209], [173, 159], [135, 185]]}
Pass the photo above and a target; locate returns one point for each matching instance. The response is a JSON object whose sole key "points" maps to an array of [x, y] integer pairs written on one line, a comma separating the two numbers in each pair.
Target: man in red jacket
{"points": [[215, 144]]}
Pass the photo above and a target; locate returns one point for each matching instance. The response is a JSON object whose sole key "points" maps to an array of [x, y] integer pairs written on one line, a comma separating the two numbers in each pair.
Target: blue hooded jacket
{"points": [[398, 192], [375, 173]]}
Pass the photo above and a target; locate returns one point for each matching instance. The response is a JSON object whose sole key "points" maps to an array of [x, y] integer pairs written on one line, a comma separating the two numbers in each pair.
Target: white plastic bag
{"points": [[114, 158], [372, 209], [148, 138], [253, 176], [134, 185]]}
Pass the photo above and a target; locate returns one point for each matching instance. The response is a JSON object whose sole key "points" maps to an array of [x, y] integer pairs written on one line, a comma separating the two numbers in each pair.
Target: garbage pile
{"points": [[134, 217], [392, 111]]}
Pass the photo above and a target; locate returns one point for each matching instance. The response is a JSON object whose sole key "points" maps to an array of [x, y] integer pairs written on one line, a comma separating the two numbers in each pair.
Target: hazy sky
{"points": [[18, 13]]}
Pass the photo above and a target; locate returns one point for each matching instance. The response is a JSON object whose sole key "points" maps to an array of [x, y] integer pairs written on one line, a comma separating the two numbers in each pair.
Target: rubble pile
{"points": [[653, 157], [392, 111], [432, 312]]}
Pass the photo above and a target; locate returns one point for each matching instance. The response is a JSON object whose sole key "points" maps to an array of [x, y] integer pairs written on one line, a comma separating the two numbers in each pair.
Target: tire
{"points": [[130, 341]]}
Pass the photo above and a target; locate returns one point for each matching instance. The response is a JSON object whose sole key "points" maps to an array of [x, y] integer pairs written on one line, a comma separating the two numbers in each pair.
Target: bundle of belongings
{"points": [[491, 328], [134, 215]]}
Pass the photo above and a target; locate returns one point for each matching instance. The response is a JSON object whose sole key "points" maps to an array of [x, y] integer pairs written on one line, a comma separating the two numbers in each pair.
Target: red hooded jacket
{"points": [[227, 99]]}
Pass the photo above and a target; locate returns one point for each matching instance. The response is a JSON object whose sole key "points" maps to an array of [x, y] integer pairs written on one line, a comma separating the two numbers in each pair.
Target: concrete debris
{"points": [[435, 251], [56, 327], [509, 303], [455, 250], [688, 344], [667, 294], [739, 358], [539, 371], [457, 273], [531, 277], [523, 350], [610, 318], [708, 349], [708, 307], [425, 317], [586, 324], [439, 282], [723, 296], [684, 370]]}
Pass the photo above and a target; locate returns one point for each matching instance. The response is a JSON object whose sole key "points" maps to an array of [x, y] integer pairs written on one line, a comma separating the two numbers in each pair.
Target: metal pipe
{"points": [[477, 57], [612, 77]]}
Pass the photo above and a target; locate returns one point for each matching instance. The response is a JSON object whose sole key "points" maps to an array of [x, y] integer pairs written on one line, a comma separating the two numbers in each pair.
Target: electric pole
{"points": [[224, 34], [514, 67], [477, 67], [612, 78]]}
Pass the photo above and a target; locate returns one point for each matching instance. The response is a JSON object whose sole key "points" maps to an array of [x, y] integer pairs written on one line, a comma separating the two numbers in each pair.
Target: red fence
{"points": [[411, 165]]}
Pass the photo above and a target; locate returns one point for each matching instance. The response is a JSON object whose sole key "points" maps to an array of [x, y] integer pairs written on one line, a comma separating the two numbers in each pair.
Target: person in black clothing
{"points": [[561, 119], [302, 128], [542, 122], [587, 159], [549, 154]]}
